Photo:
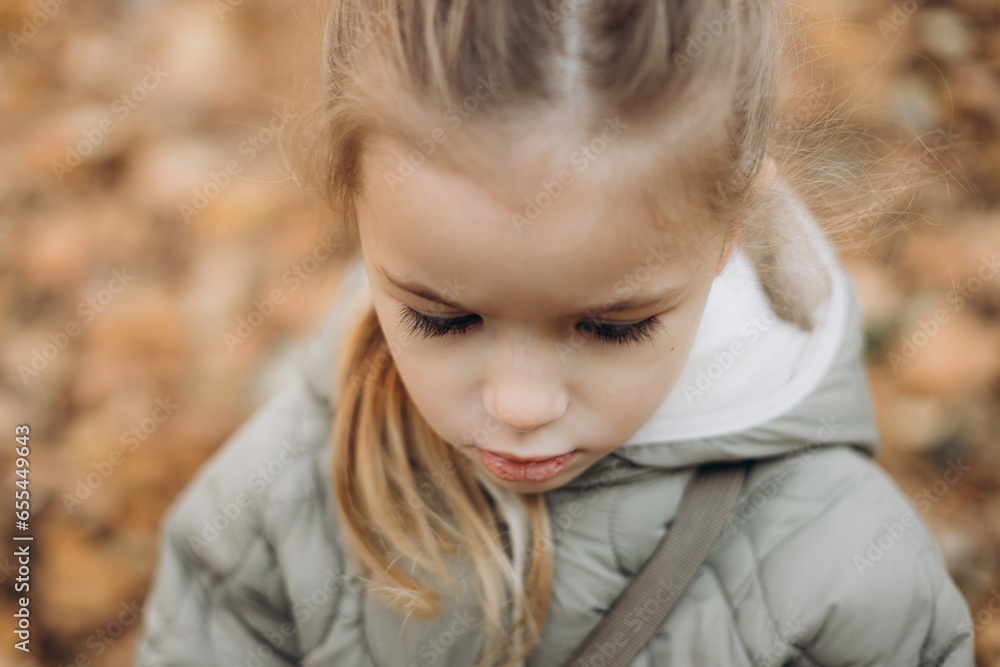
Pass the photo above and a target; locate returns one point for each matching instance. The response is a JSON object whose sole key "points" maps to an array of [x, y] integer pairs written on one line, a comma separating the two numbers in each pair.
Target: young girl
{"points": [[578, 274]]}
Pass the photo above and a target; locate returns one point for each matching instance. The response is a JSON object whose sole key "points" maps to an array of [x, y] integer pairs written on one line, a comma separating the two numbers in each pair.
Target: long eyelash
{"points": [[625, 334], [430, 327], [614, 334]]}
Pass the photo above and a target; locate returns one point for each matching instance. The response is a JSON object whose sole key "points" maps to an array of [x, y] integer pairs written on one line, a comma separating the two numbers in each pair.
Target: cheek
{"points": [[438, 391], [627, 395], [440, 383], [627, 389], [428, 381]]}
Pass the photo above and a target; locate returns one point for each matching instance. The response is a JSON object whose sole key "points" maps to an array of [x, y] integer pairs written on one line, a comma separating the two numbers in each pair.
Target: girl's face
{"points": [[521, 338]]}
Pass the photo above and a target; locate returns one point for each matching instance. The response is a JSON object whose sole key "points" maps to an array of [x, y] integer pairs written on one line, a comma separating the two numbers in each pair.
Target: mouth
{"points": [[529, 469]]}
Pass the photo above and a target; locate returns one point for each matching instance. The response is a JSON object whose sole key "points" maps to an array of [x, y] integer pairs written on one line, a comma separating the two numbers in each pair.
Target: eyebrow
{"points": [[416, 288], [633, 303]]}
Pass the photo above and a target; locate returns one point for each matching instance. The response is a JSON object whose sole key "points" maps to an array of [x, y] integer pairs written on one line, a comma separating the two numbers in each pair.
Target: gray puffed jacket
{"points": [[824, 561]]}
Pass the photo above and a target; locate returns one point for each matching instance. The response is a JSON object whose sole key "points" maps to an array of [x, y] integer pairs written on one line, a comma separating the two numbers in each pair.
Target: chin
{"points": [[534, 487]]}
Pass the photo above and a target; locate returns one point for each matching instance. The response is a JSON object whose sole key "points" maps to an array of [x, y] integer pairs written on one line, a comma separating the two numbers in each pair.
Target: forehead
{"points": [[557, 238]]}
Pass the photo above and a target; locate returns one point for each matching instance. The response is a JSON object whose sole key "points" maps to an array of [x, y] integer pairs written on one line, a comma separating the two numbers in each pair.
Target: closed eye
{"points": [[624, 334], [432, 327], [427, 326]]}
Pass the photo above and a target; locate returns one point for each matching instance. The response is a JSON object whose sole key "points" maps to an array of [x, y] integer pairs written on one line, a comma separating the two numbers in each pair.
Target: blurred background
{"points": [[163, 271]]}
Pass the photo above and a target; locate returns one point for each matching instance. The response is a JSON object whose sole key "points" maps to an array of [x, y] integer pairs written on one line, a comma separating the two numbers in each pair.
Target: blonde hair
{"points": [[696, 82]]}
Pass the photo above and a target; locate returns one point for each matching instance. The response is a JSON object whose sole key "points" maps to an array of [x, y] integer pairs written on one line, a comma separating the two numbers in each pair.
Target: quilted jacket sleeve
{"points": [[897, 575], [860, 580], [217, 597]]}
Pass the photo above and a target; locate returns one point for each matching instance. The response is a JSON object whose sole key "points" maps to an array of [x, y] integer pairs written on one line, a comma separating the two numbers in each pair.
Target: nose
{"points": [[524, 406], [525, 399]]}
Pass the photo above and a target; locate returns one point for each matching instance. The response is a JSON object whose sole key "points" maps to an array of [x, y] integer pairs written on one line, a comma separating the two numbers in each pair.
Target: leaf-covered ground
{"points": [[162, 272]]}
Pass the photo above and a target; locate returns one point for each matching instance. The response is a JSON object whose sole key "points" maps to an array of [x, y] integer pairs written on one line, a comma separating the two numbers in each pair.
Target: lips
{"points": [[525, 470]]}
